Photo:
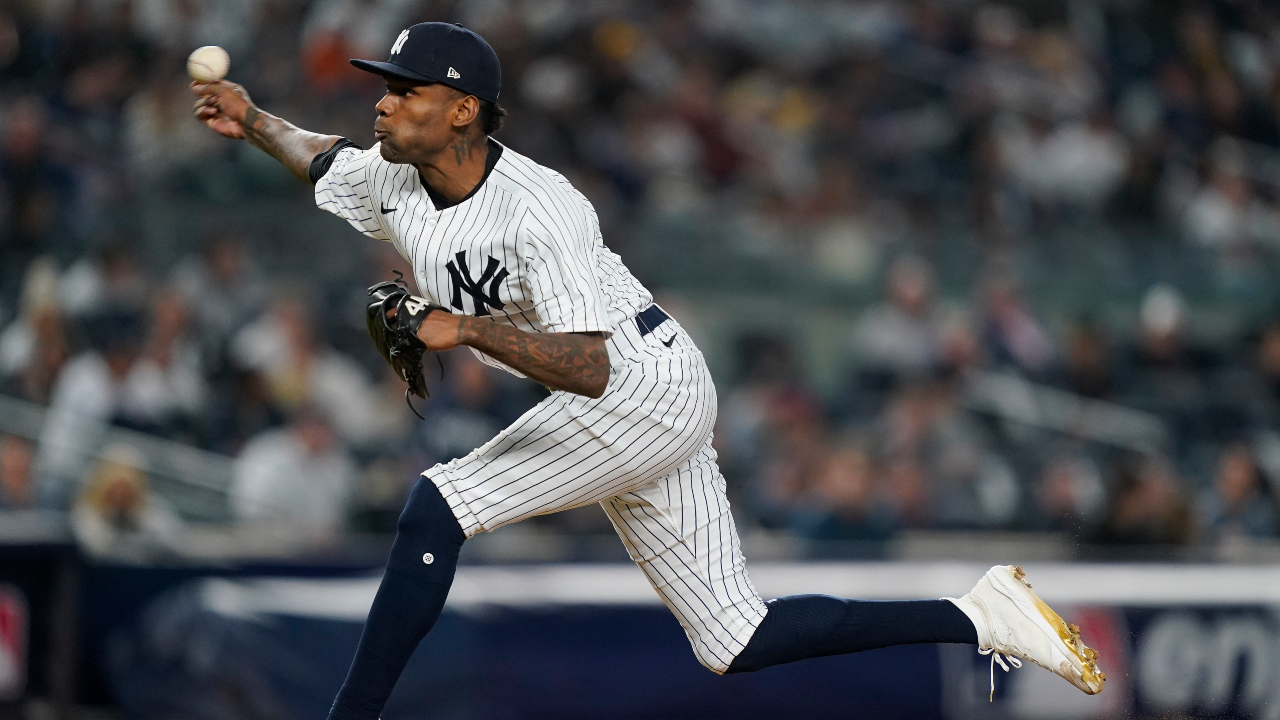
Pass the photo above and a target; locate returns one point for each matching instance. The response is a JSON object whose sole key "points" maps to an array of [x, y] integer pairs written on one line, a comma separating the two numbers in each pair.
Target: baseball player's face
{"points": [[415, 122]]}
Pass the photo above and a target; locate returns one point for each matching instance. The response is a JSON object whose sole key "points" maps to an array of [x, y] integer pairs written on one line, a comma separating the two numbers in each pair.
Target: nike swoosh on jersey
{"points": [[668, 342], [386, 210]]}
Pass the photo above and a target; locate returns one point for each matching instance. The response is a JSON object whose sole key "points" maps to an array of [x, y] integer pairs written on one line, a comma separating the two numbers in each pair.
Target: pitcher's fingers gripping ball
{"points": [[208, 63]]}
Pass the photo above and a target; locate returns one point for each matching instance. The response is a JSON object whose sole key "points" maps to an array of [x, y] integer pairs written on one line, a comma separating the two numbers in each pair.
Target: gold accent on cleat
{"points": [[1070, 636]]}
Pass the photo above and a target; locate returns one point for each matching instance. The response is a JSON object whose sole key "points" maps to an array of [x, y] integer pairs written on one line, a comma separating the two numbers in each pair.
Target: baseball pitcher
{"points": [[508, 260]]}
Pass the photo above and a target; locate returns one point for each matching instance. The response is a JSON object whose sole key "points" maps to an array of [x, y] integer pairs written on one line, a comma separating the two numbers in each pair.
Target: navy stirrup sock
{"points": [[807, 626], [419, 572]]}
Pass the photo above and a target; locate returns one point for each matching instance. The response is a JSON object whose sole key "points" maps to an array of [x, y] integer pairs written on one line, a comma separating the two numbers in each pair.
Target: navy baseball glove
{"points": [[396, 337]]}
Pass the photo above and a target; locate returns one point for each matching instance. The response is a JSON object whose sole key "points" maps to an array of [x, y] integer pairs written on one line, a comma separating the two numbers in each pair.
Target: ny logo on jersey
{"points": [[404, 35], [475, 288]]}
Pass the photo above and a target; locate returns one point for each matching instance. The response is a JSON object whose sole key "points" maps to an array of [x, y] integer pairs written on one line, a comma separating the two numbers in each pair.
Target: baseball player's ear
{"points": [[466, 110]]}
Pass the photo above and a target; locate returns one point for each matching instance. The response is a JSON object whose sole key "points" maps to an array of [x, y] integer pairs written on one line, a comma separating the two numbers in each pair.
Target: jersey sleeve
{"points": [[558, 252], [345, 191]]}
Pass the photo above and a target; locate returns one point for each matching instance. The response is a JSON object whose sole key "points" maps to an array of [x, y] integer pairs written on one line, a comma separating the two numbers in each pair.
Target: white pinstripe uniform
{"points": [[526, 249]]}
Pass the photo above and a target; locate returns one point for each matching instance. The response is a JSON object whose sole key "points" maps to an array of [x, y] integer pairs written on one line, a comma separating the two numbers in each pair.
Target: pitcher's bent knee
{"points": [[428, 537]]}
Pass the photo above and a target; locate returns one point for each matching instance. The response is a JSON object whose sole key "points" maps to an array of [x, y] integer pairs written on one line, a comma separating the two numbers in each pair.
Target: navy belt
{"points": [[650, 318]]}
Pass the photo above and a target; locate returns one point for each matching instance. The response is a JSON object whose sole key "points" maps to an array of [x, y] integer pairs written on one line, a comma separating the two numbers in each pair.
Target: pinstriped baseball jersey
{"points": [[524, 249]]}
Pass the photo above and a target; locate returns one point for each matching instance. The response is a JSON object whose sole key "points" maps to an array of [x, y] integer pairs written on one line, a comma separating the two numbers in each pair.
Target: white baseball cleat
{"points": [[1013, 622]]}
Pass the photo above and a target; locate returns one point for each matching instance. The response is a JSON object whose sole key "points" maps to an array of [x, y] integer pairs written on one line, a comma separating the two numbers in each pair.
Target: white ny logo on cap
{"points": [[453, 74], [404, 35]]}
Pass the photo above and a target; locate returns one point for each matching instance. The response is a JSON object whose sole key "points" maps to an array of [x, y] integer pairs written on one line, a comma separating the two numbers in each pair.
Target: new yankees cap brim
{"points": [[398, 71], [391, 69]]}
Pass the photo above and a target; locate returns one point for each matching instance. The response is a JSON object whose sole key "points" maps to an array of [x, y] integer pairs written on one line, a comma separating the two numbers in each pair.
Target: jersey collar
{"points": [[441, 202]]}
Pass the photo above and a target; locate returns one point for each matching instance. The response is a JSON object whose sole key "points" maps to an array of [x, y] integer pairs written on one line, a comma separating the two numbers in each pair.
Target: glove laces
{"points": [[997, 657]]}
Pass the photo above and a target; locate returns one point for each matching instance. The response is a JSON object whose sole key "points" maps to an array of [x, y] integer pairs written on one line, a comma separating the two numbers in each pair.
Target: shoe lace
{"points": [[997, 657]]}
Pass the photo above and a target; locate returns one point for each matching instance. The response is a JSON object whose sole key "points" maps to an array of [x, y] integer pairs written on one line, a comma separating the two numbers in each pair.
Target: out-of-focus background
{"points": [[978, 282]]}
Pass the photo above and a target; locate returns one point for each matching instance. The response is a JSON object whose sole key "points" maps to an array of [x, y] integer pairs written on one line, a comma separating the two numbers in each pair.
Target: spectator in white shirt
{"points": [[297, 478]]}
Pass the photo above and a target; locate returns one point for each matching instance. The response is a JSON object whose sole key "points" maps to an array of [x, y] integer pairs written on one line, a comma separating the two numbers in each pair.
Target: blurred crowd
{"points": [[952, 165], [905, 445]]}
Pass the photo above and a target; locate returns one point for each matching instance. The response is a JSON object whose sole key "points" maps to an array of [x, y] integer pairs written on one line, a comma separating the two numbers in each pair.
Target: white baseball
{"points": [[208, 64]]}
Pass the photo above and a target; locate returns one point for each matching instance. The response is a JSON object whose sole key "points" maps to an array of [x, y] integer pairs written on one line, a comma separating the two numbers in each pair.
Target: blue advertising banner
{"points": [[568, 642]]}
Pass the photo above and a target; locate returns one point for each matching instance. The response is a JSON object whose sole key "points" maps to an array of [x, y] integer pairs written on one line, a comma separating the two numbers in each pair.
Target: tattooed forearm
{"points": [[292, 146], [573, 362]]}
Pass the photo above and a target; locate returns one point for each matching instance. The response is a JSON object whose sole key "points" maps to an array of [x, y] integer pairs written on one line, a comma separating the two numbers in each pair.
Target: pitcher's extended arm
{"points": [[226, 108]]}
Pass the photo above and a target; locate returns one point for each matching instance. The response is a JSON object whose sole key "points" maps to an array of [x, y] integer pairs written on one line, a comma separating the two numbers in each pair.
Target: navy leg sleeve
{"points": [[419, 572], [806, 626]]}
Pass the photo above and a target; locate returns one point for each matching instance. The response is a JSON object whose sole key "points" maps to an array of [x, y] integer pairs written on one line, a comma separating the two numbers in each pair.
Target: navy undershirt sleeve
{"points": [[321, 163]]}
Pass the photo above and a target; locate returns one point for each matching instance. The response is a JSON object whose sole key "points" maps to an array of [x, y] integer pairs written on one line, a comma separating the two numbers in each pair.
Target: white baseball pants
{"points": [[643, 451]]}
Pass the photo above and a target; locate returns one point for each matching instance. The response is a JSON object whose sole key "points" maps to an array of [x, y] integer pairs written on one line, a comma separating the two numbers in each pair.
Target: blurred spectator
{"points": [[142, 378], [960, 349], [901, 336], [1086, 161], [1070, 494], [771, 430], [223, 286], [112, 280], [1239, 504], [907, 492], [471, 408], [242, 407], [33, 347], [792, 439], [164, 146], [168, 380], [1089, 366], [87, 395], [35, 188], [297, 478], [1265, 362], [843, 500], [1148, 505], [1225, 214], [1161, 324], [17, 481], [301, 369], [116, 515], [928, 436], [381, 492], [1012, 335], [335, 30], [1077, 164], [183, 25], [1168, 373]]}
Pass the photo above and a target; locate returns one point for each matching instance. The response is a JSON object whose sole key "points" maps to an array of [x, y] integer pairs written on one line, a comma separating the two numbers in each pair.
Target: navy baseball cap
{"points": [[435, 52]]}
